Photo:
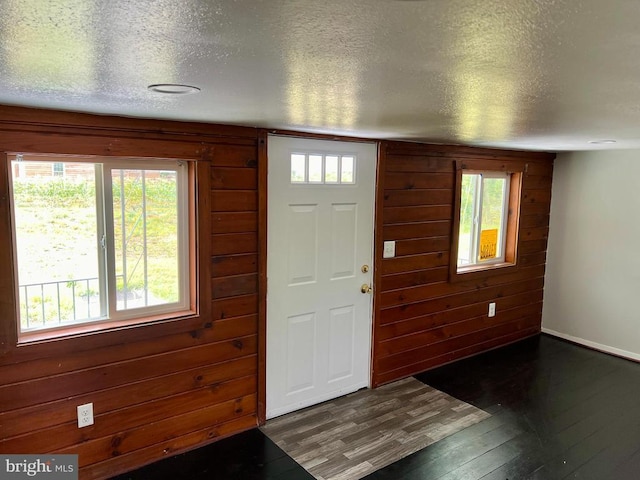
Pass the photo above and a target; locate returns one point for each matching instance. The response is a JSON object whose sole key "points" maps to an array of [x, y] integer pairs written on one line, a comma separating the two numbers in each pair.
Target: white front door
{"points": [[320, 253]]}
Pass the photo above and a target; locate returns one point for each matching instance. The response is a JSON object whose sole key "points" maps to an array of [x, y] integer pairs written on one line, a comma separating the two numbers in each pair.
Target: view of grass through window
{"points": [[485, 197], [59, 228]]}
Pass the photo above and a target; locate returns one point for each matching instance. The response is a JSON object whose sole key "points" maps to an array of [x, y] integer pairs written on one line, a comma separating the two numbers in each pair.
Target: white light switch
{"points": [[492, 309], [389, 250]]}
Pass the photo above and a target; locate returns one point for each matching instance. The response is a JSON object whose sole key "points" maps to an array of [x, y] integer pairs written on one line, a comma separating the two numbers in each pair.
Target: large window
{"points": [[486, 220], [107, 241]]}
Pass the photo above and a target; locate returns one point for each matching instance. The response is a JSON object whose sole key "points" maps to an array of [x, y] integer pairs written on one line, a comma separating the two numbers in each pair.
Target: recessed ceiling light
{"points": [[601, 142], [173, 88]]}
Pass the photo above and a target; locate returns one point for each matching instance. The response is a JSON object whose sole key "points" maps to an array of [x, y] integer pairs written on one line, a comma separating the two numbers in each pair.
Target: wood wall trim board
{"points": [[234, 307], [417, 246], [418, 180], [234, 243], [22, 118], [8, 303], [234, 222], [458, 151], [378, 248], [536, 182], [411, 231], [403, 280], [316, 136], [234, 200], [532, 246], [536, 220], [235, 156], [263, 169], [99, 146], [230, 265], [202, 229], [416, 213], [233, 286], [233, 178], [417, 197], [411, 263], [418, 164]]}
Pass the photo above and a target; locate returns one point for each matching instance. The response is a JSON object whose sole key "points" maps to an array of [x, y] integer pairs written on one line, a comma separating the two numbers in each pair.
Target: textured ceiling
{"points": [[529, 74]]}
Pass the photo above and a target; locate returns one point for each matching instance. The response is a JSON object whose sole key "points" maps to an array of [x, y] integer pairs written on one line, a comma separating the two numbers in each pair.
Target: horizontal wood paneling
{"points": [[159, 388], [410, 231], [227, 265], [233, 178], [233, 243], [423, 320], [234, 222], [49, 414], [168, 447], [55, 438]]}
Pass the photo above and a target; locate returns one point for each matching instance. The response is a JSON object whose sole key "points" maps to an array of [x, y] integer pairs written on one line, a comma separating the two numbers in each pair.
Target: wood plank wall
{"points": [[167, 387], [422, 320], [156, 389]]}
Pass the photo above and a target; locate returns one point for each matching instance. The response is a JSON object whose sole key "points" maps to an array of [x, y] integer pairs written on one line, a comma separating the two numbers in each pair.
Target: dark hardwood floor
{"points": [[558, 411]]}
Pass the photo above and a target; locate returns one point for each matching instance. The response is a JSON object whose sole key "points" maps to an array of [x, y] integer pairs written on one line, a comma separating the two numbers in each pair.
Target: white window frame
{"points": [[106, 249], [183, 237], [477, 218], [56, 173]]}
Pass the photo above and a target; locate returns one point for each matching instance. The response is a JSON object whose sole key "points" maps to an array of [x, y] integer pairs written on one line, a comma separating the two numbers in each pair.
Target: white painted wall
{"points": [[592, 284]]}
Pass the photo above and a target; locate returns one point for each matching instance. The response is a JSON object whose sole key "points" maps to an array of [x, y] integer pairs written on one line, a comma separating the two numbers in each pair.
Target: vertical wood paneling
{"points": [[422, 320], [157, 388]]}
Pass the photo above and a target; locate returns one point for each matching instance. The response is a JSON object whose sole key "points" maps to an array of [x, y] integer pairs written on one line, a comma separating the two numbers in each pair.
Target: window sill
{"points": [[98, 327], [474, 272]]}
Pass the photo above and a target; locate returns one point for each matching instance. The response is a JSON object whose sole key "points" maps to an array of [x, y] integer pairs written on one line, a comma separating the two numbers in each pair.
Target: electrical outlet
{"points": [[85, 415], [492, 309], [389, 250]]}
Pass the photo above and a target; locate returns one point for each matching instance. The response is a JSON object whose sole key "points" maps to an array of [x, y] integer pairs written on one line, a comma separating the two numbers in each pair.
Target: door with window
{"points": [[320, 254]]}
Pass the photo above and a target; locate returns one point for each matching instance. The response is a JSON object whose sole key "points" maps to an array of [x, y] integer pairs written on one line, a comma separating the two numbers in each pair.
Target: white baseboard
{"points": [[596, 346]]}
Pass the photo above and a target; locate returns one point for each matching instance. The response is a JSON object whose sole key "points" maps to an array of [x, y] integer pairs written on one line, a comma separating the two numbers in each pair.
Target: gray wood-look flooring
{"points": [[353, 436]]}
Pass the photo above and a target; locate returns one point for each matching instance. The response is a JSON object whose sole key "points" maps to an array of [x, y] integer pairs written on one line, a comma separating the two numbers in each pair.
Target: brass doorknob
{"points": [[365, 288]]}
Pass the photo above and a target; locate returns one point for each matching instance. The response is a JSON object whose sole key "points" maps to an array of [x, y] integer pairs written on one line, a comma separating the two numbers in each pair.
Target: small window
{"points": [[484, 208], [58, 169], [486, 221], [105, 242], [323, 169]]}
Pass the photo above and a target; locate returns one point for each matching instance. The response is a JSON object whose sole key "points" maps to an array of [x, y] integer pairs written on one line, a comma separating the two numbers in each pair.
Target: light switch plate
{"points": [[85, 415], [389, 250], [492, 309]]}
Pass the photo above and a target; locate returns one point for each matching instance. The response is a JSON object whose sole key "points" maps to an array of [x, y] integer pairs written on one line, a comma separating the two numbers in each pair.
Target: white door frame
{"points": [[371, 262]]}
